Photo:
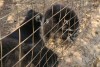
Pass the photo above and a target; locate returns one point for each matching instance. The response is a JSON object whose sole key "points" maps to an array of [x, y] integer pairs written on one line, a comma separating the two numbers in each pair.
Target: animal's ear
{"points": [[38, 18]]}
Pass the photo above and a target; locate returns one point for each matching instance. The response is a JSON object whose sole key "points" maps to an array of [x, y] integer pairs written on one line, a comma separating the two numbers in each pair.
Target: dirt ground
{"points": [[85, 52]]}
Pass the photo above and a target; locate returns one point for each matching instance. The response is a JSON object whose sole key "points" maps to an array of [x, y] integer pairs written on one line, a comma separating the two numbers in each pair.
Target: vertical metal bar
{"points": [[33, 34], [20, 50], [1, 51]]}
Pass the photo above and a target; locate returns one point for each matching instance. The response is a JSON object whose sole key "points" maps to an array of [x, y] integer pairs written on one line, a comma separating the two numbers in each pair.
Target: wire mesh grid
{"points": [[47, 34]]}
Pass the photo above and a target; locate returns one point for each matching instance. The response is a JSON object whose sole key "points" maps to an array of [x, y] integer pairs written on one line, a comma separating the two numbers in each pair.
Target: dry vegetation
{"points": [[85, 52]]}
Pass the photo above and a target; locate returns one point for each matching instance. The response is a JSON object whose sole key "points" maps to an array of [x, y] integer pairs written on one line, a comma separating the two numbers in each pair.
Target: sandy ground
{"points": [[85, 52]]}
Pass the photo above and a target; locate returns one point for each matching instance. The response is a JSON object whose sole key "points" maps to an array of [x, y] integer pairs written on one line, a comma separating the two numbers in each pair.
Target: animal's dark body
{"points": [[12, 41], [27, 28], [64, 18]]}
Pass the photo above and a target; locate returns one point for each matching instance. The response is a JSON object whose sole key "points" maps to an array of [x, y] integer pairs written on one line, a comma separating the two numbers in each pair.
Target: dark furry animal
{"points": [[66, 20], [7, 45], [42, 56], [45, 58], [12, 40], [27, 28]]}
